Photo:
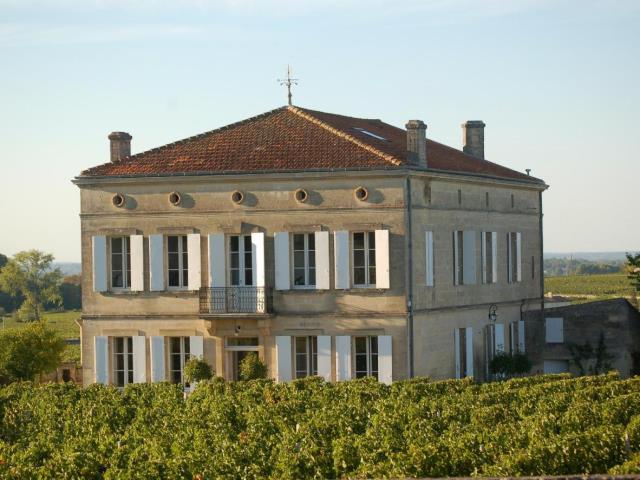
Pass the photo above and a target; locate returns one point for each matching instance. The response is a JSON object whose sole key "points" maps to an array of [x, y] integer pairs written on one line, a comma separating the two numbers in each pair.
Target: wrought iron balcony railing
{"points": [[220, 300]]}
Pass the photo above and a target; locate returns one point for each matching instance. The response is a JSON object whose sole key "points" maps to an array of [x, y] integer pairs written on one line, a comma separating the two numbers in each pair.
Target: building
{"points": [[553, 335], [331, 245]]}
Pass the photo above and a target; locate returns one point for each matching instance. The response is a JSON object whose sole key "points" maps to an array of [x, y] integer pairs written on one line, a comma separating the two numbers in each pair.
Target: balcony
{"points": [[236, 300]]}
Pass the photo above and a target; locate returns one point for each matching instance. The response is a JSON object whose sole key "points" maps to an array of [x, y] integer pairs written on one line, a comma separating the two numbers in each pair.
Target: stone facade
{"points": [[271, 207], [617, 321]]}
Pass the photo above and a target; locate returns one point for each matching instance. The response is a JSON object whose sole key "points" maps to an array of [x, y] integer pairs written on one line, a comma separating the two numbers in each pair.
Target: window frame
{"points": [[127, 360], [183, 270], [310, 356], [369, 355], [367, 259], [125, 263], [184, 354], [242, 267], [307, 268]]}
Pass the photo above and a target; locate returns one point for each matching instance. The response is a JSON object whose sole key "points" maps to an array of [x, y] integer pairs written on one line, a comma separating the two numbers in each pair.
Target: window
{"points": [[178, 264], [533, 267], [364, 259], [123, 360], [463, 346], [241, 260], [367, 132], [489, 260], [486, 199], [120, 262], [458, 257], [513, 201], [304, 259], [306, 356], [514, 245], [459, 197], [178, 356], [366, 356], [554, 330]]}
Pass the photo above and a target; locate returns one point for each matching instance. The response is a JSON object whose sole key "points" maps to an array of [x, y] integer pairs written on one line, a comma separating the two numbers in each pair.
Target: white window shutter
{"points": [[456, 348], [429, 259], [341, 253], [343, 357], [283, 354], [469, 346], [257, 240], [483, 256], [99, 246], [283, 274], [519, 256], [322, 261], [139, 359], [196, 346], [101, 358], [385, 359], [156, 263], [456, 261], [136, 245], [554, 330], [494, 256], [157, 359], [499, 338], [217, 260], [469, 257], [193, 250], [521, 337], [382, 259], [324, 356]]}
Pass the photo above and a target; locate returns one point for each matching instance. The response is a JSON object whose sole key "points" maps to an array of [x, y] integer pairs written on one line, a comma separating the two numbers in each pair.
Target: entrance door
{"points": [[237, 350]]}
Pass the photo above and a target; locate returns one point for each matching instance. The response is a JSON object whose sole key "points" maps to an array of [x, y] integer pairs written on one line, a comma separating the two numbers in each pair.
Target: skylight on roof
{"points": [[367, 132]]}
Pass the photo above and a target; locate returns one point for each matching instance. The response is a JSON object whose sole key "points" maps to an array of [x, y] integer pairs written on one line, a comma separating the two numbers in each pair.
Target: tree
{"points": [[196, 370], [507, 365], [3, 260], [29, 351], [252, 368], [30, 274], [633, 270], [71, 292]]}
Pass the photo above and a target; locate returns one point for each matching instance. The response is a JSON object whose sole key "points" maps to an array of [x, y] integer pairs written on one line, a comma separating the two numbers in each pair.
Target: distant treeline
{"points": [[68, 290], [576, 266]]}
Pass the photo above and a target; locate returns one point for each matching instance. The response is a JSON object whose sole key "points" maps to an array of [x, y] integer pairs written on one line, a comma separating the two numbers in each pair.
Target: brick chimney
{"points": [[120, 145], [473, 138], [417, 142]]}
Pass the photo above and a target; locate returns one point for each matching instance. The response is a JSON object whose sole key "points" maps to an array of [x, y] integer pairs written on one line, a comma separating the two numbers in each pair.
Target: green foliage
{"points": [[633, 270], [30, 274], [196, 370], [30, 351], [71, 292], [544, 425], [507, 365], [579, 266], [615, 285], [252, 368]]}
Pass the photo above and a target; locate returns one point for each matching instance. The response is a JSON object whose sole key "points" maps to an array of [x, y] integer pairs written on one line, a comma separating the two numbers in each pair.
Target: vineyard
{"points": [[550, 425], [605, 286]]}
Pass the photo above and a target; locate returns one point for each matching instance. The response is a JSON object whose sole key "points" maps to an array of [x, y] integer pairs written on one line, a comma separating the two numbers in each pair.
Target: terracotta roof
{"points": [[294, 138]]}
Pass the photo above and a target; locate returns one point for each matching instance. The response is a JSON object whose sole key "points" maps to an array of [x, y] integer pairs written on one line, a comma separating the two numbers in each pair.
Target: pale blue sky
{"points": [[557, 83]]}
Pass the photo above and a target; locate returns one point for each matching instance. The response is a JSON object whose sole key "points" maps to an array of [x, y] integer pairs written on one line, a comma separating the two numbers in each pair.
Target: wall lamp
{"points": [[493, 316]]}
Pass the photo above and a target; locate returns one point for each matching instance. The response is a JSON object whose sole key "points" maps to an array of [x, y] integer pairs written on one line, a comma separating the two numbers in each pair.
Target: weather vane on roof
{"points": [[288, 82]]}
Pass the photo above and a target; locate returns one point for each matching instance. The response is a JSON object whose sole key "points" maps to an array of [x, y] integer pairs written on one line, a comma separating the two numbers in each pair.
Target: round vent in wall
{"points": [[361, 193], [175, 199], [237, 197], [301, 195], [118, 200]]}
